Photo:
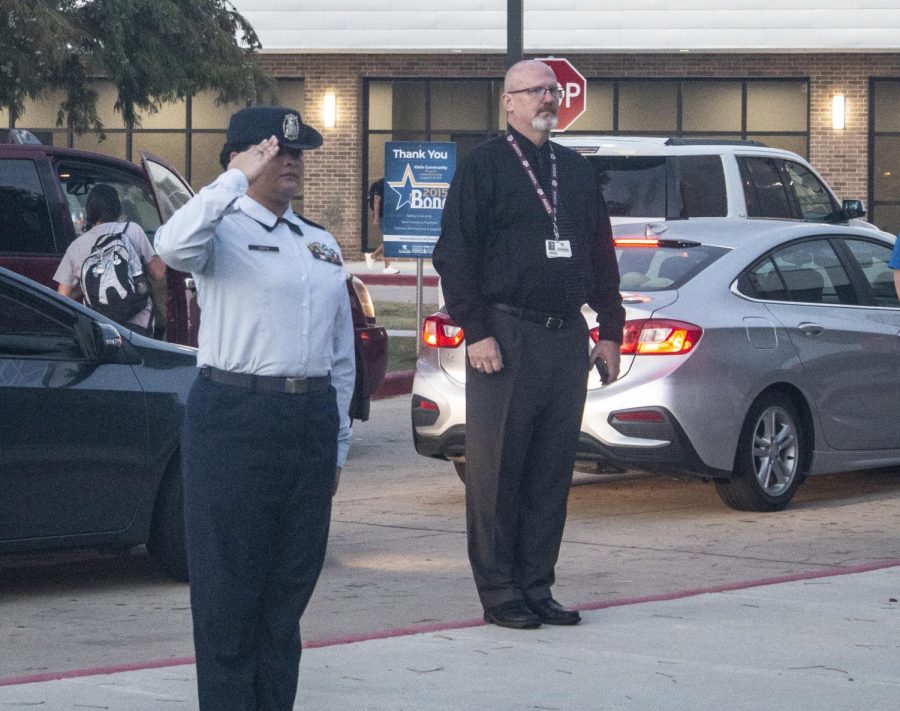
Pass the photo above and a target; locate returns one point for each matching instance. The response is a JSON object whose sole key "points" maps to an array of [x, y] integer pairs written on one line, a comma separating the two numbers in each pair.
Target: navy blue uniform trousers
{"points": [[522, 427], [258, 472]]}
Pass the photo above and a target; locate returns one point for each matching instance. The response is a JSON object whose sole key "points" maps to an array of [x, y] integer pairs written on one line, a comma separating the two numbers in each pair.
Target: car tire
{"points": [[768, 466], [166, 542], [460, 471]]}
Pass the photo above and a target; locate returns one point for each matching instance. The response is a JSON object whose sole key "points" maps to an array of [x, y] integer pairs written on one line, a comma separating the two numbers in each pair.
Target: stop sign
{"points": [[574, 102]]}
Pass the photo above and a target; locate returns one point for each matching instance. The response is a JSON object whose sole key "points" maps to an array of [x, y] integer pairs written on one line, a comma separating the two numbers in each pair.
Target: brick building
{"points": [[409, 70]]}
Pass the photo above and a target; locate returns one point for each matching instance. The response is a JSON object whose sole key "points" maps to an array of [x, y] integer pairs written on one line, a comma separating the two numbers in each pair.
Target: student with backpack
{"points": [[107, 267]]}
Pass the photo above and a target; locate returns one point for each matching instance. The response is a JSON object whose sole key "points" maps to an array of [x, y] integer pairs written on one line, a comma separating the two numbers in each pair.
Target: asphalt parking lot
{"points": [[397, 556]]}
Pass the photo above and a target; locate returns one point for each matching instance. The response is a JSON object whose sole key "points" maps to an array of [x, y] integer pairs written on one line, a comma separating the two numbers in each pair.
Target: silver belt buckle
{"points": [[295, 386], [553, 322]]}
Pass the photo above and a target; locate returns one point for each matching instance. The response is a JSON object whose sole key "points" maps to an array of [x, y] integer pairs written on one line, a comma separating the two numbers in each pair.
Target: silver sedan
{"points": [[756, 352]]}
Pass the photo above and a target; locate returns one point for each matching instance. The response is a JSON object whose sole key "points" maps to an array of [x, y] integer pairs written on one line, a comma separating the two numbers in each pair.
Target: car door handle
{"points": [[811, 329]]}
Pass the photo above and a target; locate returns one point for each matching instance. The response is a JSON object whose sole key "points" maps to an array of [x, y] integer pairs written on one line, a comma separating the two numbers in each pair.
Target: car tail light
{"points": [[365, 299], [657, 337], [424, 412], [635, 242], [638, 416], [439, 331]]}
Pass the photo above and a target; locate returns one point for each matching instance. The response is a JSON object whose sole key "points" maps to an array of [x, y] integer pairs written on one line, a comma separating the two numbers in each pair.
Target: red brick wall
{"points": [[334, 173]]}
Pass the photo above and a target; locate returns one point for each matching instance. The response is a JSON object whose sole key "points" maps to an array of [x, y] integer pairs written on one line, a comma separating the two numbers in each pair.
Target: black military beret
{"points": [[256, 123]]}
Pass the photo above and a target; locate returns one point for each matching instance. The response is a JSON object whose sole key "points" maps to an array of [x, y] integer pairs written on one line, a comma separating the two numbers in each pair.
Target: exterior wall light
{"points": [[329, 110], [838, 111]]}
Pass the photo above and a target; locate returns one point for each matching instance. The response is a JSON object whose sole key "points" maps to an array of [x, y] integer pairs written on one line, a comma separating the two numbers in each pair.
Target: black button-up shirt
{"points": [[494, 230]]}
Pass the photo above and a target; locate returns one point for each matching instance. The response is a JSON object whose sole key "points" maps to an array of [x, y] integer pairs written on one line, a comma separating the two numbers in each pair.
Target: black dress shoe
{"points": [[513, 614], [550, 612]]}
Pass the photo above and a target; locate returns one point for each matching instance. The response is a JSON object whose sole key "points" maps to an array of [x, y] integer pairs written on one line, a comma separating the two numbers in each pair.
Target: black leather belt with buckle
{"points": [[554, 322], [266, 383]]}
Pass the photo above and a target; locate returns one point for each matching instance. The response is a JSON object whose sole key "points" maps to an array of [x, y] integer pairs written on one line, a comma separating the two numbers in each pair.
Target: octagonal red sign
{"points": [[574, 102]]}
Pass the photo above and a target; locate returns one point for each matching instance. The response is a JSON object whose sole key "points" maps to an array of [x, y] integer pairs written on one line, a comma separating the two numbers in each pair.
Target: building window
{"points": [[188, 134], [773, 111], [468, 111], [884, 154]]}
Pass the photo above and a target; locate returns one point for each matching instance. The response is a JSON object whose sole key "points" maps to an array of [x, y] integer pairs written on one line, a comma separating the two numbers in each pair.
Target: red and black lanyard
{"points": [[551, 204]]}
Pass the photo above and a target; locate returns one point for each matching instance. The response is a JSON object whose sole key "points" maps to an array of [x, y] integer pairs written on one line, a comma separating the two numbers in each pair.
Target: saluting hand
{"points": [[254, 160]]}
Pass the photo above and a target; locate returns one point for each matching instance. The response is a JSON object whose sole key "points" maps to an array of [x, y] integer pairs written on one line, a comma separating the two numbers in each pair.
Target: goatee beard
{"points": [[544, 123]]}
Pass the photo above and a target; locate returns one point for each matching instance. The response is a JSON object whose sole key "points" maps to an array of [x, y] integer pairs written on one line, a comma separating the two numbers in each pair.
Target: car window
{"points": [[810, 272], [764, 282], [138, 206], [632, 186], [764, 188], [29, 329], [663, 267], [701, 184], [24, 214], [170, 189], [674, 187], [814, 200], [873, 259]]}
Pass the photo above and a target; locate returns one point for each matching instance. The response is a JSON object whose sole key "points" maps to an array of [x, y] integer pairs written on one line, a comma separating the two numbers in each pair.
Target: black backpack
{"points": [[108, 285]]}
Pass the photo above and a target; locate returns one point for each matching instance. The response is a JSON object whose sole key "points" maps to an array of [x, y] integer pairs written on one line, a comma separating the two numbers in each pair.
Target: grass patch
{"points": [[401, 353], [399, 315]]}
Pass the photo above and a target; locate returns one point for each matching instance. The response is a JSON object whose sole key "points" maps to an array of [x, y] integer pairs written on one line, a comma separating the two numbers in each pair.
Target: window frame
{"points": [[859, 285]]}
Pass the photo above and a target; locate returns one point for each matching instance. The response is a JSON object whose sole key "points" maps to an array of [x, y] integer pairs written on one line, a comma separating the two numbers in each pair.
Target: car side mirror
{"points": [[853, 208], [108, 343]]}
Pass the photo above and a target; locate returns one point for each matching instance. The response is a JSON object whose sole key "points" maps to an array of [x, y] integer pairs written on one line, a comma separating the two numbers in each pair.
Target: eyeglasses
{"points": [[537, 92]]}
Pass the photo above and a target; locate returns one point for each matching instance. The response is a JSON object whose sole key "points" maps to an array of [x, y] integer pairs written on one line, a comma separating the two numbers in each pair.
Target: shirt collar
{"points": [[526, 145], [264, 216]]}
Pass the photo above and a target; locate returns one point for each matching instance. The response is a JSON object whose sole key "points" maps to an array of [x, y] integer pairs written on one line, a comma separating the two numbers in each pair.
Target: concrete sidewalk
{"points": [[822, 642]]}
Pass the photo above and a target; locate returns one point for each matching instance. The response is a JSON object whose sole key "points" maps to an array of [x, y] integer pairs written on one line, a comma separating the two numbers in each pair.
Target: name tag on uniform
{"points": [[559, 248], [262, 248], [324, 252]]}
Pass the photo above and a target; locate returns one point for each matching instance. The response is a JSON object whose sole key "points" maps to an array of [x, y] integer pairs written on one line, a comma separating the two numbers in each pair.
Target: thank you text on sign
{"points": [[417, 176]]}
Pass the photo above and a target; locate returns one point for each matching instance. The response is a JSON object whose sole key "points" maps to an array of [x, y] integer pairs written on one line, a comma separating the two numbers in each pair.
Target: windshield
{"points": [[663, 267]]}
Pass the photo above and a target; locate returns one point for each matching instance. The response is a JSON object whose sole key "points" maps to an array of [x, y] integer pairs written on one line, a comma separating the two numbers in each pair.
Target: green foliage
{"points": [[36, 41], [153, 51]]}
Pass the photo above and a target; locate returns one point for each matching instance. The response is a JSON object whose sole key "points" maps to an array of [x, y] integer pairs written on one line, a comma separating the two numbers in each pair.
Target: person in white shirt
{"points": [[266, 426], [103, 208]]}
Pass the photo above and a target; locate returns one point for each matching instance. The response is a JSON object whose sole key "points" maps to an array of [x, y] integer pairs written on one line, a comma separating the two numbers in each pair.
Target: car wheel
{"points": [[769, 460], [460, 471], [166, 542]]}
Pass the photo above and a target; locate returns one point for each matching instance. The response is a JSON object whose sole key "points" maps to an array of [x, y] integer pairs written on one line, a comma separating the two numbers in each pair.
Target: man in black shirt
{"points": [[525, 243]]}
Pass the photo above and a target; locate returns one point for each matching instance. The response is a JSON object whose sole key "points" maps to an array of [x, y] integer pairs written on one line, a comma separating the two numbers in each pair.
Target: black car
{"points": [[90, 416]]}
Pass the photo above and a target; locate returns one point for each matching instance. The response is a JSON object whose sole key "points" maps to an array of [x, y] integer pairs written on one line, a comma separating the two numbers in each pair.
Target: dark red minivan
{"points": [[42, 194]]}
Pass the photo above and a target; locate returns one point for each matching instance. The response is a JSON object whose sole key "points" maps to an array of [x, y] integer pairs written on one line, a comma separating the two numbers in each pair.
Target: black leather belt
{"points": [[554, 322], [267, 383]]}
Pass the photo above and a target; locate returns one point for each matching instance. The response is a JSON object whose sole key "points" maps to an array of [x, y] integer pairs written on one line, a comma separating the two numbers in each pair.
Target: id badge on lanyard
{"points": [[557, 248]]}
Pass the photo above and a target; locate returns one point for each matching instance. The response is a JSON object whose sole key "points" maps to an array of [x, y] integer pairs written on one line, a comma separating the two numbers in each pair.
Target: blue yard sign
{"points": [[417, 177]]}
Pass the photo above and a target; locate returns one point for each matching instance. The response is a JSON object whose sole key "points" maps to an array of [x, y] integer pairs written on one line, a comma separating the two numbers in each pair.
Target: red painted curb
{"points": [[398, 382], [395, 279], [438, 627]]}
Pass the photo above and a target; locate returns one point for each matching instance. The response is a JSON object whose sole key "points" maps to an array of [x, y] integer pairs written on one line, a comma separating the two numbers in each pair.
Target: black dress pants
{"points": [[522, 427], [258, 472]]}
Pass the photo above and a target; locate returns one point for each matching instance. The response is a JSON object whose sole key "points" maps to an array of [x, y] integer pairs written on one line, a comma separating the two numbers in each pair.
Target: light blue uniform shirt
{"points": [[269, 306]]}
